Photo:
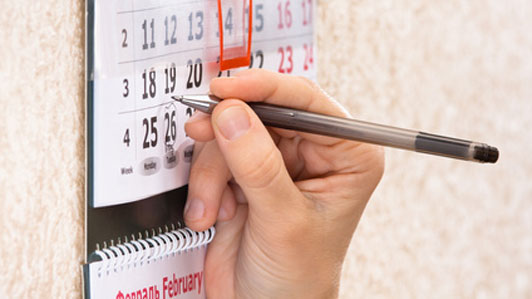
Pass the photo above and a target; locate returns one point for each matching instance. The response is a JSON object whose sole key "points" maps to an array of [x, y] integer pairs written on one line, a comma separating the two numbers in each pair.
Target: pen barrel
{"points": [[351, 129], [344, 128]]}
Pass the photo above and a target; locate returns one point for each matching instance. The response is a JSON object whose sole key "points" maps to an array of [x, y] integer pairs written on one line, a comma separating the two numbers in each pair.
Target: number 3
{"points": [[126, 88]]}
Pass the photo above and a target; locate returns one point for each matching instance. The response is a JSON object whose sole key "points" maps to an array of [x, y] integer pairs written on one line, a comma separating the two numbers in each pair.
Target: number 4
{"points": [[127, 140]]}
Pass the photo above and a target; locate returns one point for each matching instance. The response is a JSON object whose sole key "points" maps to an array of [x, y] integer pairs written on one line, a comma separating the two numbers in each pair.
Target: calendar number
{"points": [[150, 132], [195, 26], [220, 73], [229, 21], [285, 15], [259, 18], [145, 28], [189, 112], [170, 25], [171, 78], [126, 139], [125, 94], [228, 24], [307, 12], [309, 57], [124, 42], [287, 64], [171, 127], [228, 73], [256, 59], [150, 88], [195, 73]]}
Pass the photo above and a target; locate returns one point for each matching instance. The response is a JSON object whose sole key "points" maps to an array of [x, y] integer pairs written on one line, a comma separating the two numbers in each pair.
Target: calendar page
{"points": [[142, 52]]}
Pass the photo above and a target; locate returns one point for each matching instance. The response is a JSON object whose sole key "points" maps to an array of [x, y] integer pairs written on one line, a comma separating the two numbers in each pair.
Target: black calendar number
{"points": [[195, 73], [259, 17], [189, 112], [170, 26], [150, 88], [220, 73], [124, 42], [126, 139], [228, 24], [257, 59], [228, 73], [195, 25], [171, 127], [145, 46], [150, 132], [229, 21], [125, 94], [171, 78]]}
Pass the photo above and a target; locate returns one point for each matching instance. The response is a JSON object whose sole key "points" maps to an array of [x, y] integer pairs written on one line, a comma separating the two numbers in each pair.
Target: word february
{"points": [[172, 287]]}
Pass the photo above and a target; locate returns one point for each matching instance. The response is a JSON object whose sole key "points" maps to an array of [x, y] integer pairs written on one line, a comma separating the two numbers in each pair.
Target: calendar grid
{"points": [[147, 51], [257, 41]]}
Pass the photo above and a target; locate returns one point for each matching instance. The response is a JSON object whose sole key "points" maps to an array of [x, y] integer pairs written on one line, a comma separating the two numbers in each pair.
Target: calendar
{"points": [[143, 52]]}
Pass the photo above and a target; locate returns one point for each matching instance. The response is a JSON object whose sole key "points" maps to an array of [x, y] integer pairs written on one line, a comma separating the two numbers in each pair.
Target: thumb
{"points": [[253, 158]]}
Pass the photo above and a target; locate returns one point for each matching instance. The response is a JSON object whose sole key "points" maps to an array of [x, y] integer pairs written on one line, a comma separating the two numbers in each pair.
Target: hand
{"points": [[286, 203]]}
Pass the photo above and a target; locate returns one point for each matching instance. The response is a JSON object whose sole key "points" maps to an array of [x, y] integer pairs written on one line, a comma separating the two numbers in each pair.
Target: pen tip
{"points": [[178, 98]]}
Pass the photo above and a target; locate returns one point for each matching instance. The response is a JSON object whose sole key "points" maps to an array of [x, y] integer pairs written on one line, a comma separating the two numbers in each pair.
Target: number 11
{"points": [[145, 28]]}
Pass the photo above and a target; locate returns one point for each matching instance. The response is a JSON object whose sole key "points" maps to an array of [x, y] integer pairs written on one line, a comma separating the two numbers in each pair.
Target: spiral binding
{"points": [[138, 252]]}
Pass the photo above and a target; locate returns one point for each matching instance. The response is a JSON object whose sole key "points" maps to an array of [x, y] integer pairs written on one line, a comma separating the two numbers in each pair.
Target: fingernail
{"points": [[233, 122], [194, 209]]}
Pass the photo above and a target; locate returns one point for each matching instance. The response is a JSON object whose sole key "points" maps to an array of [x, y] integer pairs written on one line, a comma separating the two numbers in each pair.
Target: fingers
{"points": [[228, 205], [354, 176], [258, 85], [253, 159], [199, 128], [222, 255], [207, 189]]}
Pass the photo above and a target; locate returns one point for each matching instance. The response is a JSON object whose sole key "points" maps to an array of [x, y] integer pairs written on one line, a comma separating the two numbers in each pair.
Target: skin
{"points": [[286, 203]]}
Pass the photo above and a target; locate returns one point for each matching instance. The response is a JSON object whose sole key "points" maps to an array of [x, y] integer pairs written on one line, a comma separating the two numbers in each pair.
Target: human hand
{"points": [[286, 203]]}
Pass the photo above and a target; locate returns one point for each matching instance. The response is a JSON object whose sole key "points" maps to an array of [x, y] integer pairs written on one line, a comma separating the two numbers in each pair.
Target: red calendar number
{"points": [[287, 64], [309, 56], [285, 15], [307, 12]]}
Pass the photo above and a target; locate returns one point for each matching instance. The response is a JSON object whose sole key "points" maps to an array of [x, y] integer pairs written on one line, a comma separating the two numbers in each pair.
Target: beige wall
{"points": [[435, 228]]}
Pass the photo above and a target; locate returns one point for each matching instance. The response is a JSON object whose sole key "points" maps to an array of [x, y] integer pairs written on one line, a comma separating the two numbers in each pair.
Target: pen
{"points": [[345, 128]]}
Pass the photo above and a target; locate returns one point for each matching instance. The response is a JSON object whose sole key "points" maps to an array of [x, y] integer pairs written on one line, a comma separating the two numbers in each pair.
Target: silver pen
{"points": [[345, 128]]}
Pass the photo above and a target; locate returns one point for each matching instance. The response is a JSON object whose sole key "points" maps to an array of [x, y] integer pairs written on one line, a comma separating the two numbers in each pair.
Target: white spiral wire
{"points": [[138, 252]]}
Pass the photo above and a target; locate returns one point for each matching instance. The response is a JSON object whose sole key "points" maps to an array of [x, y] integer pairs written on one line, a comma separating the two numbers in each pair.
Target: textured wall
{"points": [[435, 227], [41, 148], [438, 228]]}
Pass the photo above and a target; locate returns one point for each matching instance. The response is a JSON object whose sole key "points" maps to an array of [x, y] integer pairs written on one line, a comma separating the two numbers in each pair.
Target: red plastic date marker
{"points": [[235, 32]]}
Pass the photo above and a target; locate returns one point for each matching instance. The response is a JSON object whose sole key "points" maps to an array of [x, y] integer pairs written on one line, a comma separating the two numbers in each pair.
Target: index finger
{"points": [[258, 85]]}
